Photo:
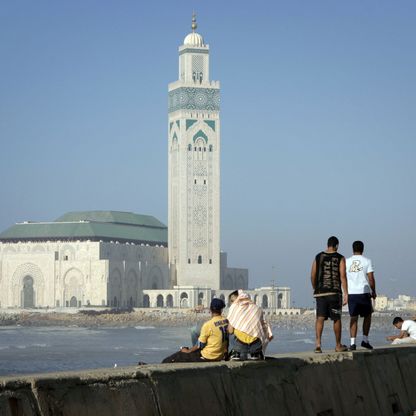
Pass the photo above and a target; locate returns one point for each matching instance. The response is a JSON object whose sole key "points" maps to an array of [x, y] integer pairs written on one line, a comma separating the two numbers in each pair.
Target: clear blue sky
{"points": [[318, 122]]}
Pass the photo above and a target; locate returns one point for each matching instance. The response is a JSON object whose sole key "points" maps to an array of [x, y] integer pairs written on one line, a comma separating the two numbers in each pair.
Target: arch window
{"points": [[199, 259], [159, 301], [184, 300], [146, 301], [200, 298]]}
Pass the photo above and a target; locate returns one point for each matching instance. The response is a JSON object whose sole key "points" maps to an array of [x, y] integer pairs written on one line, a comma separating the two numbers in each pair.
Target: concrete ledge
{"points": [[379, 382]]}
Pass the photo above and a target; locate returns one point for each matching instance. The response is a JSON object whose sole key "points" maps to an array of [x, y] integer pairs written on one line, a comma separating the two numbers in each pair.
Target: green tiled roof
{"points": [[112, 217], [92, 225]]}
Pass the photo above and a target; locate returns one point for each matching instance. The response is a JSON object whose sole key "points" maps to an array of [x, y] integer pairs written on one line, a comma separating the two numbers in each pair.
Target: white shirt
{"points": [[410, 327], [357, 268]]}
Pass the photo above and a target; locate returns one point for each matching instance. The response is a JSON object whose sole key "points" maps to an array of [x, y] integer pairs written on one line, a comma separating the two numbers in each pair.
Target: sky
{"points": [[318, 123]]}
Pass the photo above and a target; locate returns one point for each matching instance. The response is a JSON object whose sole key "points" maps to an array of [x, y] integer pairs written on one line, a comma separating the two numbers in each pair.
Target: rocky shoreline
{"points": [[157, 317]]}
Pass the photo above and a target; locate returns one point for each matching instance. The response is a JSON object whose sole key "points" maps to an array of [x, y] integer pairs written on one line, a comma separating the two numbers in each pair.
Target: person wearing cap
{"points": [[212, 342]]}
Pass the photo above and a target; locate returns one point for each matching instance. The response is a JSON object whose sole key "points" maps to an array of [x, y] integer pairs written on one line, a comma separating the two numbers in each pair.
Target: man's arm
{"points": [[188, 350], [372, 283], [230, 329], [403, 334], [313, 275], [344, 284]]}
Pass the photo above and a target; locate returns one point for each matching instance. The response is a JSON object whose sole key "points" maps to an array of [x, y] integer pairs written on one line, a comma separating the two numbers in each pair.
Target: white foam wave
{"points": [[144, 327]]}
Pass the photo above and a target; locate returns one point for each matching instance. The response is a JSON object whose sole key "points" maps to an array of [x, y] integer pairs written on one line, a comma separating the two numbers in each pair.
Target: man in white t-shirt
{"points": [[361, 289], [407, 331]]}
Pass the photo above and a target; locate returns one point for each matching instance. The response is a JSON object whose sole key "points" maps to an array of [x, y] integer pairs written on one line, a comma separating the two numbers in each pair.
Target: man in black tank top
{"points": [[329, 282]]}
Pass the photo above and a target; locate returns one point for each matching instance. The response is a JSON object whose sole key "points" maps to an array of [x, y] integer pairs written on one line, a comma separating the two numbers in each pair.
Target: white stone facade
{"points": [[84, 273]]}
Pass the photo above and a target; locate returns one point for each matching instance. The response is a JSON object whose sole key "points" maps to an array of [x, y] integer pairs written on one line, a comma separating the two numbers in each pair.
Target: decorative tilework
{"points": [[170, 125], [200, 134], [188, 98], [189, 123], [178, 123], [211, 123], [175, 137]]}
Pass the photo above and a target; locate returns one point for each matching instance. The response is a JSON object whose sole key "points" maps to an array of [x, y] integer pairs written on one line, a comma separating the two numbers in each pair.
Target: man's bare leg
{"points": [[354, 325], [319, 327], [337, 332], [366, 325]]}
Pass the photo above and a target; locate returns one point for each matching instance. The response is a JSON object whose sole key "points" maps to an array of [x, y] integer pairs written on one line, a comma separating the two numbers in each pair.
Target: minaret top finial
{"points": [[194, 25]]}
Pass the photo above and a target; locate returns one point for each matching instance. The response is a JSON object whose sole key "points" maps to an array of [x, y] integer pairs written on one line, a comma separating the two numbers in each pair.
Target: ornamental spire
{"points": [[194, 25]]}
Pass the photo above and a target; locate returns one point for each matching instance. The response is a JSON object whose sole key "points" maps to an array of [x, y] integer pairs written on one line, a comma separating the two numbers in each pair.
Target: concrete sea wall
{"points": [[380, 382]]}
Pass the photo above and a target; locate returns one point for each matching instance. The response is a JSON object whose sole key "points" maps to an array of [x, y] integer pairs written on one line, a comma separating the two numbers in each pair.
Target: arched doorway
{"points": [[73, 302], [115, 302], [184, 300], [279, 300], [169, 301], [200, 298], [265, 302], [159, 301], [28, 293], [255, 299], [146, 301]]}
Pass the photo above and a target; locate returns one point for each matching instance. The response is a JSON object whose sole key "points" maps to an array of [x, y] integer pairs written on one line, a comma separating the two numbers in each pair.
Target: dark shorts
{"points": [[360, 304], [329, 306]]}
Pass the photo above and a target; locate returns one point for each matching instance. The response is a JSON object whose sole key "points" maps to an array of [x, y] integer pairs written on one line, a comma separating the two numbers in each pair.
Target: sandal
{"points": [[318, 350], [343, 348]]}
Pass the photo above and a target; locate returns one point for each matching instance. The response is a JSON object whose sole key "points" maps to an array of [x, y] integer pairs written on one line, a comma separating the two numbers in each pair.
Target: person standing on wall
{"points": [[330, 287], [361, 289]]}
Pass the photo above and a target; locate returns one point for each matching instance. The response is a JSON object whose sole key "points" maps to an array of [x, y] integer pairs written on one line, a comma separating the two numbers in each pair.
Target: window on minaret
{"points": [[189, 261], [210, 147], [195, 181], [189, 147], [199, 259]]}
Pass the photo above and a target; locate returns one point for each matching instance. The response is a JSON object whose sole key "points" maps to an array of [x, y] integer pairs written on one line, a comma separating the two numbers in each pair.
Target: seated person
{"points": [[407, 331], [212, 342], [251, 331]]}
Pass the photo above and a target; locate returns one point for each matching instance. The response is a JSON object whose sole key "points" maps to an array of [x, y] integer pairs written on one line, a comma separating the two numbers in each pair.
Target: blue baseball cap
{"points": [[217, 304]]}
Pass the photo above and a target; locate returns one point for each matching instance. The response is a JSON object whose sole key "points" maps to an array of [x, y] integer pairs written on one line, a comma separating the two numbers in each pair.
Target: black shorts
{"points": [[329, 306], [360, 304]]}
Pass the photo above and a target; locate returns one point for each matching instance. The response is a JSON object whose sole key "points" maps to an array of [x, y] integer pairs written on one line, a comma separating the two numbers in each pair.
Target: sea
{"points": [[25, 350]]}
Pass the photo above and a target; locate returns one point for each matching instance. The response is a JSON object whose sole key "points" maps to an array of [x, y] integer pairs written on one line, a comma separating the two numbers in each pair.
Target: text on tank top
{"points": [[328, 275]]}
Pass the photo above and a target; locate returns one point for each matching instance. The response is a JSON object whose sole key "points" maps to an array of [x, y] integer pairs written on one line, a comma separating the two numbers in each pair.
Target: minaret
{"points": [[194, 168]]}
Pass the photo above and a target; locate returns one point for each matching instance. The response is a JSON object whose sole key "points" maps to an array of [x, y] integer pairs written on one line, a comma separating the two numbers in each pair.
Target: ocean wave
{"points": [[144, 327], [40, 345]]}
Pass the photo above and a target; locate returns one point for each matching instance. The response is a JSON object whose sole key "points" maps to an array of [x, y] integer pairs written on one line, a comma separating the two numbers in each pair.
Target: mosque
{"points": [[122, 259]]}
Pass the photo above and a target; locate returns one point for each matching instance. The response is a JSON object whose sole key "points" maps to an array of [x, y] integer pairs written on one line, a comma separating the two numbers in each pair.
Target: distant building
{"points": [[401, 303], [101, 258]]}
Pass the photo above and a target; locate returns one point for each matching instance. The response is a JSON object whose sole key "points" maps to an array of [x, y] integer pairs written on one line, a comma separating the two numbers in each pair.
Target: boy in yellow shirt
{"points": [[212, 342]]}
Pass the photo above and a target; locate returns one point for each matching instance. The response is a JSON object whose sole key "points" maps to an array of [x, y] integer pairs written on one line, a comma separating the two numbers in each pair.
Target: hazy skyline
{"points": [[318, 118]]}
